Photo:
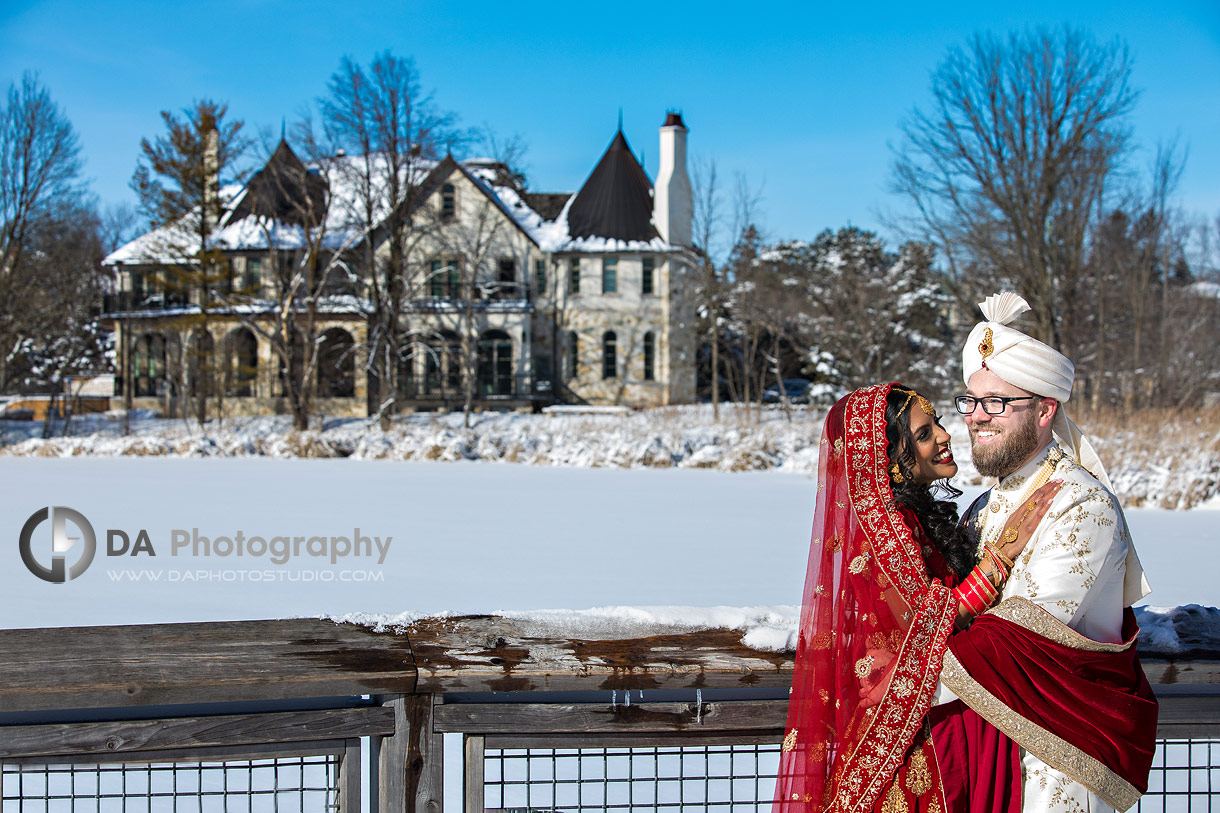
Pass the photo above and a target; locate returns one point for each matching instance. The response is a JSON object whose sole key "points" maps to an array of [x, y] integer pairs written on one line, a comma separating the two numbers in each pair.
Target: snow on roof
{"points": [[347, 175]]}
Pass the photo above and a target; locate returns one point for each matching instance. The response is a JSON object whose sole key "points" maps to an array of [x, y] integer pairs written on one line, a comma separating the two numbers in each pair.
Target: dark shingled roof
{"points": [[284, 190], [547, 204], [616, 200]]}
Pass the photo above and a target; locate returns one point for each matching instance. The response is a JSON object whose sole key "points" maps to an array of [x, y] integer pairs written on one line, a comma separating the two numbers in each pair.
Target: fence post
{"points": [[473, 785], [411, 768], [349, 778]]}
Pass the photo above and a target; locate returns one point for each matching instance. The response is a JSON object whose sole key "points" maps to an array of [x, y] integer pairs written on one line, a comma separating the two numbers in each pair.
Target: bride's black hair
{"points": [[933, 505]]}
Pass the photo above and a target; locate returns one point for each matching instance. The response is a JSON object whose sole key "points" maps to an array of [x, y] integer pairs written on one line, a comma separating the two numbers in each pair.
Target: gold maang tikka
{"points": [[924, 403]]}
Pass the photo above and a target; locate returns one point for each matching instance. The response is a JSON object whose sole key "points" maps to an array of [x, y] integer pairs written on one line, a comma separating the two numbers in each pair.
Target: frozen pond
{"points": [[465, 537]]}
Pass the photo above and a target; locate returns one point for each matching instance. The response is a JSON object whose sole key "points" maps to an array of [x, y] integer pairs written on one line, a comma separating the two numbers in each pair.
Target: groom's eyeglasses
{"points": [[992, 404]]}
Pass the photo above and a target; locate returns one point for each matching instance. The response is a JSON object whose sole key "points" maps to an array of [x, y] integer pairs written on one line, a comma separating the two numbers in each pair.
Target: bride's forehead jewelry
{"points": [[924, 403]]}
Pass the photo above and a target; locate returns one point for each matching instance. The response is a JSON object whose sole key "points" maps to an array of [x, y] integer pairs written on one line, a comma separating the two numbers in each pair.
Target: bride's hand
{"points": [[1024, 521]]}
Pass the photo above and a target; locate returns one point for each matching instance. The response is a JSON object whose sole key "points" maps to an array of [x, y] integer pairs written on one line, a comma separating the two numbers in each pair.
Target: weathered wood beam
{"points": [[473, 778], [486, 653], [349, 778], [1170, 673], [411, 767], [110, 738], [83, 667], [602, 718]]}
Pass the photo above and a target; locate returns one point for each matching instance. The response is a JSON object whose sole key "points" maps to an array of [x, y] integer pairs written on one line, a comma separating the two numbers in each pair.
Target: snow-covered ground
{"points": [[614, 549], [1149, 465]]}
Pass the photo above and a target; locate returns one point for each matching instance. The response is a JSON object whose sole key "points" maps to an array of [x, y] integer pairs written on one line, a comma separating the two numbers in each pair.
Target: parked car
{"points": [[795, 389]]}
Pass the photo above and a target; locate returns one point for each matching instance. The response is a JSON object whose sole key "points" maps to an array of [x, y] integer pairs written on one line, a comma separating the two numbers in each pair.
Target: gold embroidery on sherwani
{"points": [[1023, 612]]}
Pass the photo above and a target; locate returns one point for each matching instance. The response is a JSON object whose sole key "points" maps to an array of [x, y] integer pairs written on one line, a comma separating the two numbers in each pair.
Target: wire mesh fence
{"points": [[678, 779], [296, 783], [1184, 774]]}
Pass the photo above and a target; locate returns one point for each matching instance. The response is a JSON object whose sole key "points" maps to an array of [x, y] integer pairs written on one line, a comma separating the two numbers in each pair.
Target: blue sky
{"points": [[803, 99]]}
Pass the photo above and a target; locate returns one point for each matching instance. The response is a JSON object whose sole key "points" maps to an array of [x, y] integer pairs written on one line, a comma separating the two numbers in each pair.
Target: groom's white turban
{"points": [[1021, 360], [1036, 367]]}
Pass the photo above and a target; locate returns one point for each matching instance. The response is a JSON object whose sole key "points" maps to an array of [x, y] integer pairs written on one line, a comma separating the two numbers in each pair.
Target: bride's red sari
{"points": [[877, 618]]}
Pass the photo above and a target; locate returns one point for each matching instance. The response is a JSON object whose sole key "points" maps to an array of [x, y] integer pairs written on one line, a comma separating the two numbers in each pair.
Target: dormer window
{"points": [[448, 202]]}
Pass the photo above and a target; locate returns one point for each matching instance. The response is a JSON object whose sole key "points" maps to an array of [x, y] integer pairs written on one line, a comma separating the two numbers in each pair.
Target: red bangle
{"points": [[984, 586], [967, 599], [981, 587]]}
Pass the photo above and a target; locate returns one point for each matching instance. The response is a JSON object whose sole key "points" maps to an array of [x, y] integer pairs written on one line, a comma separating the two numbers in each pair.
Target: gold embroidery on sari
{"points": [[895, 801], [790, 740], [919, 776]]}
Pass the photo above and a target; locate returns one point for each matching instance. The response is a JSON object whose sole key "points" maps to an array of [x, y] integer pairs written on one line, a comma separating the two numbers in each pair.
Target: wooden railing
{"points": [[262, 689]]}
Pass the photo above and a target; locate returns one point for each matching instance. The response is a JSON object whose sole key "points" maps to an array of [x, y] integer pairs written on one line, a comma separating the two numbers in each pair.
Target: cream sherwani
{"points": [[1074, 567]]}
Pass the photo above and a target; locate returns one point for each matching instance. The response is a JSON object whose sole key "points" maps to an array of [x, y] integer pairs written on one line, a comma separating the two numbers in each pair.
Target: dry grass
{"points": [[1169, 458]]}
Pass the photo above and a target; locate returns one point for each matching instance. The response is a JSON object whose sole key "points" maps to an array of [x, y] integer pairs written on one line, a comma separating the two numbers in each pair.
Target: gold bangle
{"points": [[1004, 560]]}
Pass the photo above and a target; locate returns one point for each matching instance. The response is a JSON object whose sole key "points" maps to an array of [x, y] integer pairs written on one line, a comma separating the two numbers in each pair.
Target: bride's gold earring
{"points": [[895, 473]]}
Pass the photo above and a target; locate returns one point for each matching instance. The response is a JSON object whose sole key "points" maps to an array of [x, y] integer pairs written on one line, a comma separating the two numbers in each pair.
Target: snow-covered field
{"points": [[629, 549], [1170, 461], [596, 552]]}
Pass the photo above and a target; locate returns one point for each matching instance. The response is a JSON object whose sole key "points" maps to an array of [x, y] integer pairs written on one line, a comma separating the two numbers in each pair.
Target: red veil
{"points": [[874, 627]]}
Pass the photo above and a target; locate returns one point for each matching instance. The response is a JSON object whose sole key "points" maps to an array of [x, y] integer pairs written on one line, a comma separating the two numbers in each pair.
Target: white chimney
{"points": [[671, 203]]}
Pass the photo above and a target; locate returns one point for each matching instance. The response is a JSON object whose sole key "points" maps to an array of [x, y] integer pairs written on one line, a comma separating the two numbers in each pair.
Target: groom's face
{"points": [[1001, 444]]}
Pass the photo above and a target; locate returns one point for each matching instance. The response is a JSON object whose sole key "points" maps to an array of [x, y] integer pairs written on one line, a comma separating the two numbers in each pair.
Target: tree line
{"points": [[1021, 173]]}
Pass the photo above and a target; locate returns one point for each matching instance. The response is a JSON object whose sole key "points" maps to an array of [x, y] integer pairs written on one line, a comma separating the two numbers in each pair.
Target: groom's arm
{"points": [[1075, 564]]}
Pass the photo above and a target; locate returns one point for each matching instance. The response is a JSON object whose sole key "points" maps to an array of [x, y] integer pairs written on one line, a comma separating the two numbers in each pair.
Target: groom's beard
{"points": [[1016, 444]]}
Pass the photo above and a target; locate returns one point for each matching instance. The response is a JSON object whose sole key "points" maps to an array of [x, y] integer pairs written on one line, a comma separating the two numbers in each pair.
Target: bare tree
{"points": [[42, 198], [474, 239], [178, 182], [309, 247], [710, 294], [392, 134], [1005, 164]]}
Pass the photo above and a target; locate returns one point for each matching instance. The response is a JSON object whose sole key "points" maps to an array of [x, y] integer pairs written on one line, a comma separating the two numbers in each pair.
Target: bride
{"points": [[892, 577]]}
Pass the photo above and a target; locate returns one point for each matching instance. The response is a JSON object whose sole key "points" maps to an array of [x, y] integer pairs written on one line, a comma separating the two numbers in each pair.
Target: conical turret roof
{"points": [[616, 201]]}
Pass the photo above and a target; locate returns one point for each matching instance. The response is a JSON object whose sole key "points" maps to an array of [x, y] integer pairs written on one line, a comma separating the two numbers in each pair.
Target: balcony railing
{"points": [[134, 301]]}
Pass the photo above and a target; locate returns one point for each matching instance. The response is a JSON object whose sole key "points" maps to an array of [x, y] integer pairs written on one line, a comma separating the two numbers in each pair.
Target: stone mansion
{"points": [[532, 298]]}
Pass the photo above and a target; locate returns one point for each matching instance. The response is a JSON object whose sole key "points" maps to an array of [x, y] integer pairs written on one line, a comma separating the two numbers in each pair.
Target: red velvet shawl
{"points": [[1081, 706]]}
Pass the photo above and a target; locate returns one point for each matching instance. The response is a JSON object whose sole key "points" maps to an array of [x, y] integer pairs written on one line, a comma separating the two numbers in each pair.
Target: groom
{"points": [[1072, 582]]}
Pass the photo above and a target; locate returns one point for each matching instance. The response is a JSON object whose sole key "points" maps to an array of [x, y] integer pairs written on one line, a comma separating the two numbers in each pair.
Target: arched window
{"points": [[650, 356], [297, 352], [148, 365], [609, 355], [495, 374], [448, 202], [443, 364], [336, 364], [242, 361], [200, 363], [573, 355]]}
